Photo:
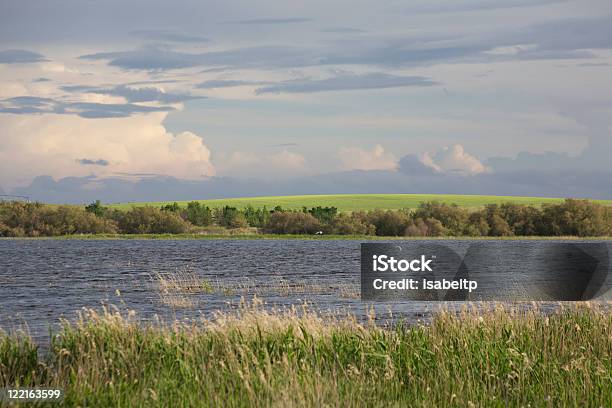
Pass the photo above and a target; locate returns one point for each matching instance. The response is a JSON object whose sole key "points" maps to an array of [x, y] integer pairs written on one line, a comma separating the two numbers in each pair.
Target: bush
{"points": [[150, 220], [452, 217], [230, 217], [293, 223], [425, 228], [34, 219], [478, 225], [522, 219], [389, 223], [256, 217], [354, 224], [577, 217], [570, 218]]}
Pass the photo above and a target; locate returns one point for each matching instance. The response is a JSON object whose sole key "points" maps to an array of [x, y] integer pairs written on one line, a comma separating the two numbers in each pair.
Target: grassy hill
{"points": [[355, 202]]}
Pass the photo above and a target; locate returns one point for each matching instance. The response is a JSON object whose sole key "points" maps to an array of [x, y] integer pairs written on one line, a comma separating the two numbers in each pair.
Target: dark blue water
{"points": [[42, 281]]}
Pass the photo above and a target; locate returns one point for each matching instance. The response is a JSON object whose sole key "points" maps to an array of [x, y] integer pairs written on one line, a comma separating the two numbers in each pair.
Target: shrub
{"points": [[452, 217], [292, 223], [344, 224], [34, 219], [256, 217], [577, 217], [425, 228], [389, 223], [498, 226], [522, 219], [230, 217], [478, 225], [150, 220]]}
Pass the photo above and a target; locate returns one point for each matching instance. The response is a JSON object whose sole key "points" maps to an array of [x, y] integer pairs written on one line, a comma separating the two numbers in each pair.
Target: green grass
{"points": [[497, 358], [355, 202]]}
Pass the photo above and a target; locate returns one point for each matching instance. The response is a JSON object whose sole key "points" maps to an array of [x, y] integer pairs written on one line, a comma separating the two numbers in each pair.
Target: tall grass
{"points": [[257, 357]]}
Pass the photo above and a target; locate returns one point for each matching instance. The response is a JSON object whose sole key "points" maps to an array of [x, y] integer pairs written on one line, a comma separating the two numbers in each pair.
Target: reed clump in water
{"points": [[290, 357], [177, 288]]}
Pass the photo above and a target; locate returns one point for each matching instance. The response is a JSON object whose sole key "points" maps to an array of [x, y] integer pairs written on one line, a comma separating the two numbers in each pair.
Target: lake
{"points": [[44, 280]]}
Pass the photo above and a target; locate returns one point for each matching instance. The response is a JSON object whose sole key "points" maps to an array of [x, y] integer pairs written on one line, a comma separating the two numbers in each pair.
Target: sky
{"points": [[191, 99]]}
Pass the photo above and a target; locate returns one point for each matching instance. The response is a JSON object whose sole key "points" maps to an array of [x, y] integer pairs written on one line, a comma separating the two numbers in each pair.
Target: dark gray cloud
{"points": [[90, 162], [595, 64], [20, 57], [169, 36], [29, 105], [462, 6], [412, 165], [226, 83], [559, 39], [21, 105], [343, 30], [534, 161], [572, 34], [387, 52], [158, 59], [132, 95], [595, 185], [215, 70], [393, 52], [344, 82], [268, 21], [41, 79], [148, 59], [398, 53], [111, 110]]}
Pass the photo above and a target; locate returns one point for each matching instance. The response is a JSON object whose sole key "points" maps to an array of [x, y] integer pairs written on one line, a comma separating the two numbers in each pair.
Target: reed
{"points": [[296, 357]]}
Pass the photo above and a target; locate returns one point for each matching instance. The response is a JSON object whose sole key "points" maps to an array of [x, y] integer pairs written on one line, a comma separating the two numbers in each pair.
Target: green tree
{"points": [[231, 217], [174, 207], [197, 214], [96, 208]]}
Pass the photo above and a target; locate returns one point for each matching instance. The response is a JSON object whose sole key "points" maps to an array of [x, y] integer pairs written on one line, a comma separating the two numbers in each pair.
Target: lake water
{"points": [[42, 281]]}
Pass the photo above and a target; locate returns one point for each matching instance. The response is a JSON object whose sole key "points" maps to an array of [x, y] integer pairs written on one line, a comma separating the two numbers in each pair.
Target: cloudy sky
{"points": [[148, 99]]}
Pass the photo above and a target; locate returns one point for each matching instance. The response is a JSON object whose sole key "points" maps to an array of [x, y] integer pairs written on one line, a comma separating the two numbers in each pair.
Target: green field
{"points": [[356, 202]]}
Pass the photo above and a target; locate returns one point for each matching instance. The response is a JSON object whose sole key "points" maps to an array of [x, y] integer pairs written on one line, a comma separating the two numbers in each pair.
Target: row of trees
{"points": [[430, 219]]}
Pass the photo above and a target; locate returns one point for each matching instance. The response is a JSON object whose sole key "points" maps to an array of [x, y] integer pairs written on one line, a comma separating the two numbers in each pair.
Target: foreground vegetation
{"points": [[571, 217], [357, 202], [298, 358]]}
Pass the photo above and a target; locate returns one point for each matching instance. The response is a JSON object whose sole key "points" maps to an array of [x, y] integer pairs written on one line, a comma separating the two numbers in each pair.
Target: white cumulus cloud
{"points": [[356, 158], [58, 145], [454, 159], [271, 165]]}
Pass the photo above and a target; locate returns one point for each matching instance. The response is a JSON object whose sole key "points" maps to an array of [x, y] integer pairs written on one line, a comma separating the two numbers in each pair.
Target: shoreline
{"points": [[246, 237]]}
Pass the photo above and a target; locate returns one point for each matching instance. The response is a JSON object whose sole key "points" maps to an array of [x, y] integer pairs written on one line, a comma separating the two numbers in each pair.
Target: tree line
{"points": [[430, 219]]}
